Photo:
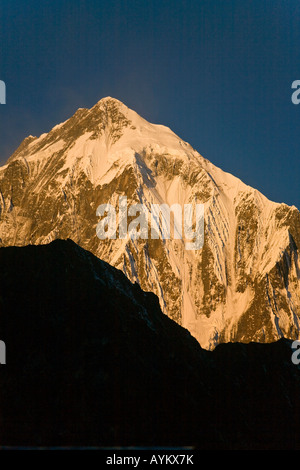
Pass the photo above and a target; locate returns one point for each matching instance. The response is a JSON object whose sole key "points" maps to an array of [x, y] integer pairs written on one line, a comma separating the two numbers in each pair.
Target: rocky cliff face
{"points": [[243, 285]]}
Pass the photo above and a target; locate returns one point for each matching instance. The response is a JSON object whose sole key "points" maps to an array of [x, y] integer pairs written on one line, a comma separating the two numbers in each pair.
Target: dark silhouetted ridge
{"points": [[92, 361]]}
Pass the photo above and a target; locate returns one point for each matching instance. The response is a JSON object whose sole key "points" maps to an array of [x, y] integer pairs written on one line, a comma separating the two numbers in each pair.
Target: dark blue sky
{"points": [[217, 72]]}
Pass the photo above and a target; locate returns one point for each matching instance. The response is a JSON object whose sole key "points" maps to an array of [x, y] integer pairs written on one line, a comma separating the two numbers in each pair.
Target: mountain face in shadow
{"points": [[92, 361]]}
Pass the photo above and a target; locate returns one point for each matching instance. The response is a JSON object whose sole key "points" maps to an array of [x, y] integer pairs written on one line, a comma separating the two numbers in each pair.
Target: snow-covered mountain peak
{"points": [[242, 285], [109, 124]]}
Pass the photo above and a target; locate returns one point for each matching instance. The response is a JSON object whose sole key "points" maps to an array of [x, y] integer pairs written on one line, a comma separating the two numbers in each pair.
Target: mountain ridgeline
{"points": [[243, 285], [93, 361]]}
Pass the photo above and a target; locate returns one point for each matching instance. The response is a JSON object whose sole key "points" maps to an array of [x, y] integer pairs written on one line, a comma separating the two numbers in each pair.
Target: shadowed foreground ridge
{"points": [[91, 360]]}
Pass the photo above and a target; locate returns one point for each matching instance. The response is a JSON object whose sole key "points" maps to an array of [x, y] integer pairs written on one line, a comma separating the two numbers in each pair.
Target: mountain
{"points": [[93, 361], [242, 285]]}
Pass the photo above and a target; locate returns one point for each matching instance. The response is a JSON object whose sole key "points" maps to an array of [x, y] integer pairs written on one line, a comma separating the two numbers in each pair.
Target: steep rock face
{"points": [[243, 285]]}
